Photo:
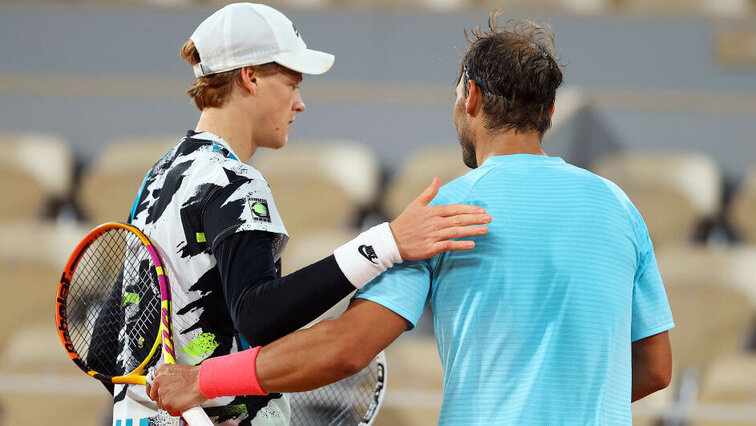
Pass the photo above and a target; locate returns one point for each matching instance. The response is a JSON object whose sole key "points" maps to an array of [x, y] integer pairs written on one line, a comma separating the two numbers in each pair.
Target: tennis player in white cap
{"points": [[214, 220]]}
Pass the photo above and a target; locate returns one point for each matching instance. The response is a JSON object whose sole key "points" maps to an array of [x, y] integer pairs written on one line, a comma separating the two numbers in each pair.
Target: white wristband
{"points": [[368, 255]]}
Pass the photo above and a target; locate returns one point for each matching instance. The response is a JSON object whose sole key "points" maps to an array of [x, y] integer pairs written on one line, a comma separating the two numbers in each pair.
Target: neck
{"points": [[224, 122], [489, 145]]}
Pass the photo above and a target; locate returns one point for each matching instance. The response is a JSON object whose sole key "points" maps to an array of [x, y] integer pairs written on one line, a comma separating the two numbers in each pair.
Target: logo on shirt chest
{"points": [[259, 209]]}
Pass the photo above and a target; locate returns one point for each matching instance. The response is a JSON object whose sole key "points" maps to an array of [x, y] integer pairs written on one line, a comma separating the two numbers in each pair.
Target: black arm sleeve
{"points": [[264, 306]]}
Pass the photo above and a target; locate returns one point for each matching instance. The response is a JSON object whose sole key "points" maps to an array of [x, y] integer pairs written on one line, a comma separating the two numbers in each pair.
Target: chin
{"points": [[278, 143]]}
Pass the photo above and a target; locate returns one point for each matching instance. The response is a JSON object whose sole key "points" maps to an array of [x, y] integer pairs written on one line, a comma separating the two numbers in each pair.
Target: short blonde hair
{"points": [[212, 91]]}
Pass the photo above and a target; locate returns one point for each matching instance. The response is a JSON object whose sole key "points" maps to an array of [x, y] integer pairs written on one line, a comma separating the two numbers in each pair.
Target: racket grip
{"points": [[196, 417], [150, 377]]}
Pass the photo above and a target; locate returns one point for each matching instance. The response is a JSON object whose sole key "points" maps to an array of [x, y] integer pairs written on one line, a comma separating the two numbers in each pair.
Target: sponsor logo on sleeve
{"points": [[259, 209]]}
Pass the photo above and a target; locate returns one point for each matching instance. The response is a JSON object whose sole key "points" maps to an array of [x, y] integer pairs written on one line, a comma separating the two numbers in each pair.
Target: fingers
{"points": [[154, 392], [448, 245], [429, 193], [461, 232], [456, 209], [465, 219], [152, 386]]}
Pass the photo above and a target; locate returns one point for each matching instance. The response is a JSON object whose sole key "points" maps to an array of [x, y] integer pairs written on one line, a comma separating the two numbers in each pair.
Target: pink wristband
{"points": [[230, 375]]}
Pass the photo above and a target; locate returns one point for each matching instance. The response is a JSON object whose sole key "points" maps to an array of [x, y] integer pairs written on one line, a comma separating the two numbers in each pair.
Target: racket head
{"points": [[351, 401], [113, 304]]}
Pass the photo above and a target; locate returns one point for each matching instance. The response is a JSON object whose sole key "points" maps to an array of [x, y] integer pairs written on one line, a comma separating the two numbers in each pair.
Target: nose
{"points": [[299, 105]]}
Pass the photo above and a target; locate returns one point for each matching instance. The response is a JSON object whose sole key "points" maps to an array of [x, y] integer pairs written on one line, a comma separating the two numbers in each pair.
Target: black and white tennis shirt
{"points": [[215, 224], [196, 196]]}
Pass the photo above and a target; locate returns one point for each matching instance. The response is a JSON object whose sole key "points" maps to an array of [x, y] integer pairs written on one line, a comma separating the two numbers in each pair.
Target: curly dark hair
{"points": [[516, 71]]}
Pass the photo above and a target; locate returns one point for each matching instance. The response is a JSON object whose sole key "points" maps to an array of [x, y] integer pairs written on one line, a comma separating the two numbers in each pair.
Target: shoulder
{"points": [[198, 171], [458, 190], [598, 187], [205, 164], [637, 223], [622, 199]]}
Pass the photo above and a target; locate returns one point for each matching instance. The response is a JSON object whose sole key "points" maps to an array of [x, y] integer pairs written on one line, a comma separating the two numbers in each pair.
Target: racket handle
{"points": [[196, 417]]}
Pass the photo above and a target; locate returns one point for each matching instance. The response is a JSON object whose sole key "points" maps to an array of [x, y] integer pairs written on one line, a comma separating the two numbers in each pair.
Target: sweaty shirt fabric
{"points": [[534, 325]]}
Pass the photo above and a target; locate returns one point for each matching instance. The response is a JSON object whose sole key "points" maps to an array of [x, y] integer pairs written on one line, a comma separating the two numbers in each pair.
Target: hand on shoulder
{"points": [[422, 231]]}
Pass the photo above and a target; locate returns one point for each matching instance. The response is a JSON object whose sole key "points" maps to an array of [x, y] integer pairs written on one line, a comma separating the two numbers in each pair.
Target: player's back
{"points": [[534, 324]]}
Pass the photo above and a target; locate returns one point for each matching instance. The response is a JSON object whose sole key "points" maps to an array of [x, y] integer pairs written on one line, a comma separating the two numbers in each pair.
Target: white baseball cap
{"points": [[244, 34]]}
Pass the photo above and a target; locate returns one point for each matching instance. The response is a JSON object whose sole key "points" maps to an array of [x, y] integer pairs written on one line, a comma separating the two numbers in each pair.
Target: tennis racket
{"points": [[351, 401], [113, 309]]}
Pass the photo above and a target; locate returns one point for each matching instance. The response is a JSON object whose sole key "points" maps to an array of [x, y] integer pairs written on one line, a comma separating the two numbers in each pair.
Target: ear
{"points": [[474, 99], [249, 79], [551, 110]]}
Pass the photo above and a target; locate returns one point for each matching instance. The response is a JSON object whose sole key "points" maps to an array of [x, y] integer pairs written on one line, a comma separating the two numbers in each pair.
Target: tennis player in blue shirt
{"points": [[559, 314]]}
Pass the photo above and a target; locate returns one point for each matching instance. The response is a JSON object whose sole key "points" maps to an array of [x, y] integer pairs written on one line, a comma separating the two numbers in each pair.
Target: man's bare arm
{"points": [[329, 351], [652, 365], [304, 360]]}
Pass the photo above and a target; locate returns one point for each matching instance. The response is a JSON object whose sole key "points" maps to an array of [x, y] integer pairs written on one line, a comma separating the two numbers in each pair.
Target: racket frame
{"points": [[164, 336], [379, 393]]}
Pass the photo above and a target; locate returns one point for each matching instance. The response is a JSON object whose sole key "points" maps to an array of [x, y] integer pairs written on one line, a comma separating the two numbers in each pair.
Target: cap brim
{"points": [[306, 61]]}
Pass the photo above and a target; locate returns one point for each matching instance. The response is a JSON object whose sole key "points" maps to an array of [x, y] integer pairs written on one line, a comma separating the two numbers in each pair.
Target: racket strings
{"points": [[88, 290], [344, 402], [114, 304]]}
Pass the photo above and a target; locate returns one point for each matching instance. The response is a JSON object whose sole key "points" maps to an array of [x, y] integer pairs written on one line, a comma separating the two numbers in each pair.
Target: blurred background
{"points": [[659, 96]]}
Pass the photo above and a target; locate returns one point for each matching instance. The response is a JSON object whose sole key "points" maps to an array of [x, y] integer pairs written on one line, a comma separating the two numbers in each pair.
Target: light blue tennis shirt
{"points": [[534, 325]]}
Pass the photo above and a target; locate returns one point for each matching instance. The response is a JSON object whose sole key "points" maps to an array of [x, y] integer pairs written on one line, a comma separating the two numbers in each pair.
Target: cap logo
{"points": [[295, 30]]}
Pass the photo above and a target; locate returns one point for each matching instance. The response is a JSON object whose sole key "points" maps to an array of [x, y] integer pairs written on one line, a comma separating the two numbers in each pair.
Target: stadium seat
{"points": [[742, 214], [444, 161], [720, 416], [728, 388], [54, 401], [32, 256], [320, 184], [35, 170], [415, 364], [111, 182], [650, 410], [48, 356], [711, 322], [711, 292], [40, 385], [414, 383], [409, 414], [731, 379], [673, 191], [712, 295], [733, 267]]}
